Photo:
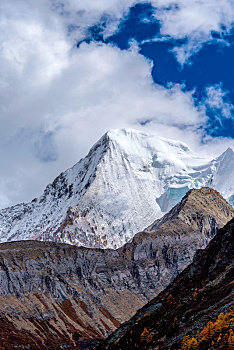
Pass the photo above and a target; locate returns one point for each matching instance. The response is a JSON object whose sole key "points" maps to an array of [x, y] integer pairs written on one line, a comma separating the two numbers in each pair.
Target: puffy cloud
{"points": [[56, 100], [193, 21]]}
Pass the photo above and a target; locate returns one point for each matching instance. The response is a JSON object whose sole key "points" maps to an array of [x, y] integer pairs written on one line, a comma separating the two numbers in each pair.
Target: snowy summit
{"points": [[127, 180]]}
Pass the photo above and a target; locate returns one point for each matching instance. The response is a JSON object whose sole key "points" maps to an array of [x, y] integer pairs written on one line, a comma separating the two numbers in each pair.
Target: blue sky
{"points": [[212, 65], [72, 69]]}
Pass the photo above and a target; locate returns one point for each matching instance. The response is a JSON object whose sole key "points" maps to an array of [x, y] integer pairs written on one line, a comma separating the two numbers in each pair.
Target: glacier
{"points": [[128, 179]]}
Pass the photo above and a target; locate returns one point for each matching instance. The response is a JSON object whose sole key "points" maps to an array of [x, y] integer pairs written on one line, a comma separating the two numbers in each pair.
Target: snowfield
{"points": [[128, 179]]}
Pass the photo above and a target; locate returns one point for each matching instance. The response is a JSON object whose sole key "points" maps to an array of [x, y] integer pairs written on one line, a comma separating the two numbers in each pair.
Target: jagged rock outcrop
{"points": [[202, 293], [53, 293], [127, 180]]}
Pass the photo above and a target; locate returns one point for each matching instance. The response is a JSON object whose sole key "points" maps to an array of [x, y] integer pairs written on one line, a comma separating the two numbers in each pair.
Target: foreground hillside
{"points": [[196, 311], [55, 294], [127, 180]]}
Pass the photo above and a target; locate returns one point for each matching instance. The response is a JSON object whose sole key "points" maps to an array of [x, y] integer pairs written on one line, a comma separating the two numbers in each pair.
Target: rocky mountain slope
{"points": [[127, 180], [54, 294], [196, 311]]}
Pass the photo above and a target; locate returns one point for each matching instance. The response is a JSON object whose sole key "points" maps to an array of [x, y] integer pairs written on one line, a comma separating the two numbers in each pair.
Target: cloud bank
{"points": [[57, 100]]}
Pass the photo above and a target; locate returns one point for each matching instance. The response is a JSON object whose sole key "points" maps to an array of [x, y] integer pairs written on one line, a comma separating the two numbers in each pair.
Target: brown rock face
{"points": [[179, 316], [54, 295]]}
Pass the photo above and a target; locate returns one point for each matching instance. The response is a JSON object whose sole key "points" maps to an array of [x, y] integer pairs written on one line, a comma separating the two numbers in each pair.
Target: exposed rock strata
{"points": [[54, 293], [198, 295]]}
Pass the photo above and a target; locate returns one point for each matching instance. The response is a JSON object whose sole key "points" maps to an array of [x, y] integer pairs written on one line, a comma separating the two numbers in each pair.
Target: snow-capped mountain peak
{"points": [[127, 180]]}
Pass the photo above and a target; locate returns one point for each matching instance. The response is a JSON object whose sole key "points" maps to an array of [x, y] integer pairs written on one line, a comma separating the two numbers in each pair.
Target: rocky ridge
{"points": [[127, 180], [56, 294], [194, 312]]}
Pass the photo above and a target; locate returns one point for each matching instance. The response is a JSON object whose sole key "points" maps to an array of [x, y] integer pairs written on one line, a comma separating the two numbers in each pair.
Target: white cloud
{"points": [[193, 20], [216, 100], [56, 101]]}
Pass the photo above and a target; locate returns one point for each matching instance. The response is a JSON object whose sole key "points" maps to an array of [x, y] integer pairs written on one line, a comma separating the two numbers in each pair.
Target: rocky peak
{"points": [[194, 311], [63, 294], [194, 200]]}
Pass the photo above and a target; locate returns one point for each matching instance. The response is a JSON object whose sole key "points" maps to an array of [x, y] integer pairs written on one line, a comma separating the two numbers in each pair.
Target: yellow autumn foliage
{"points": [[146, 336], [220, 331]]}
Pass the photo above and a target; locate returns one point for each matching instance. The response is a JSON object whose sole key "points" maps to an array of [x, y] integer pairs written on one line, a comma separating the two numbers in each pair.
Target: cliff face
{"points": [[55, 294], [194, 312]]}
